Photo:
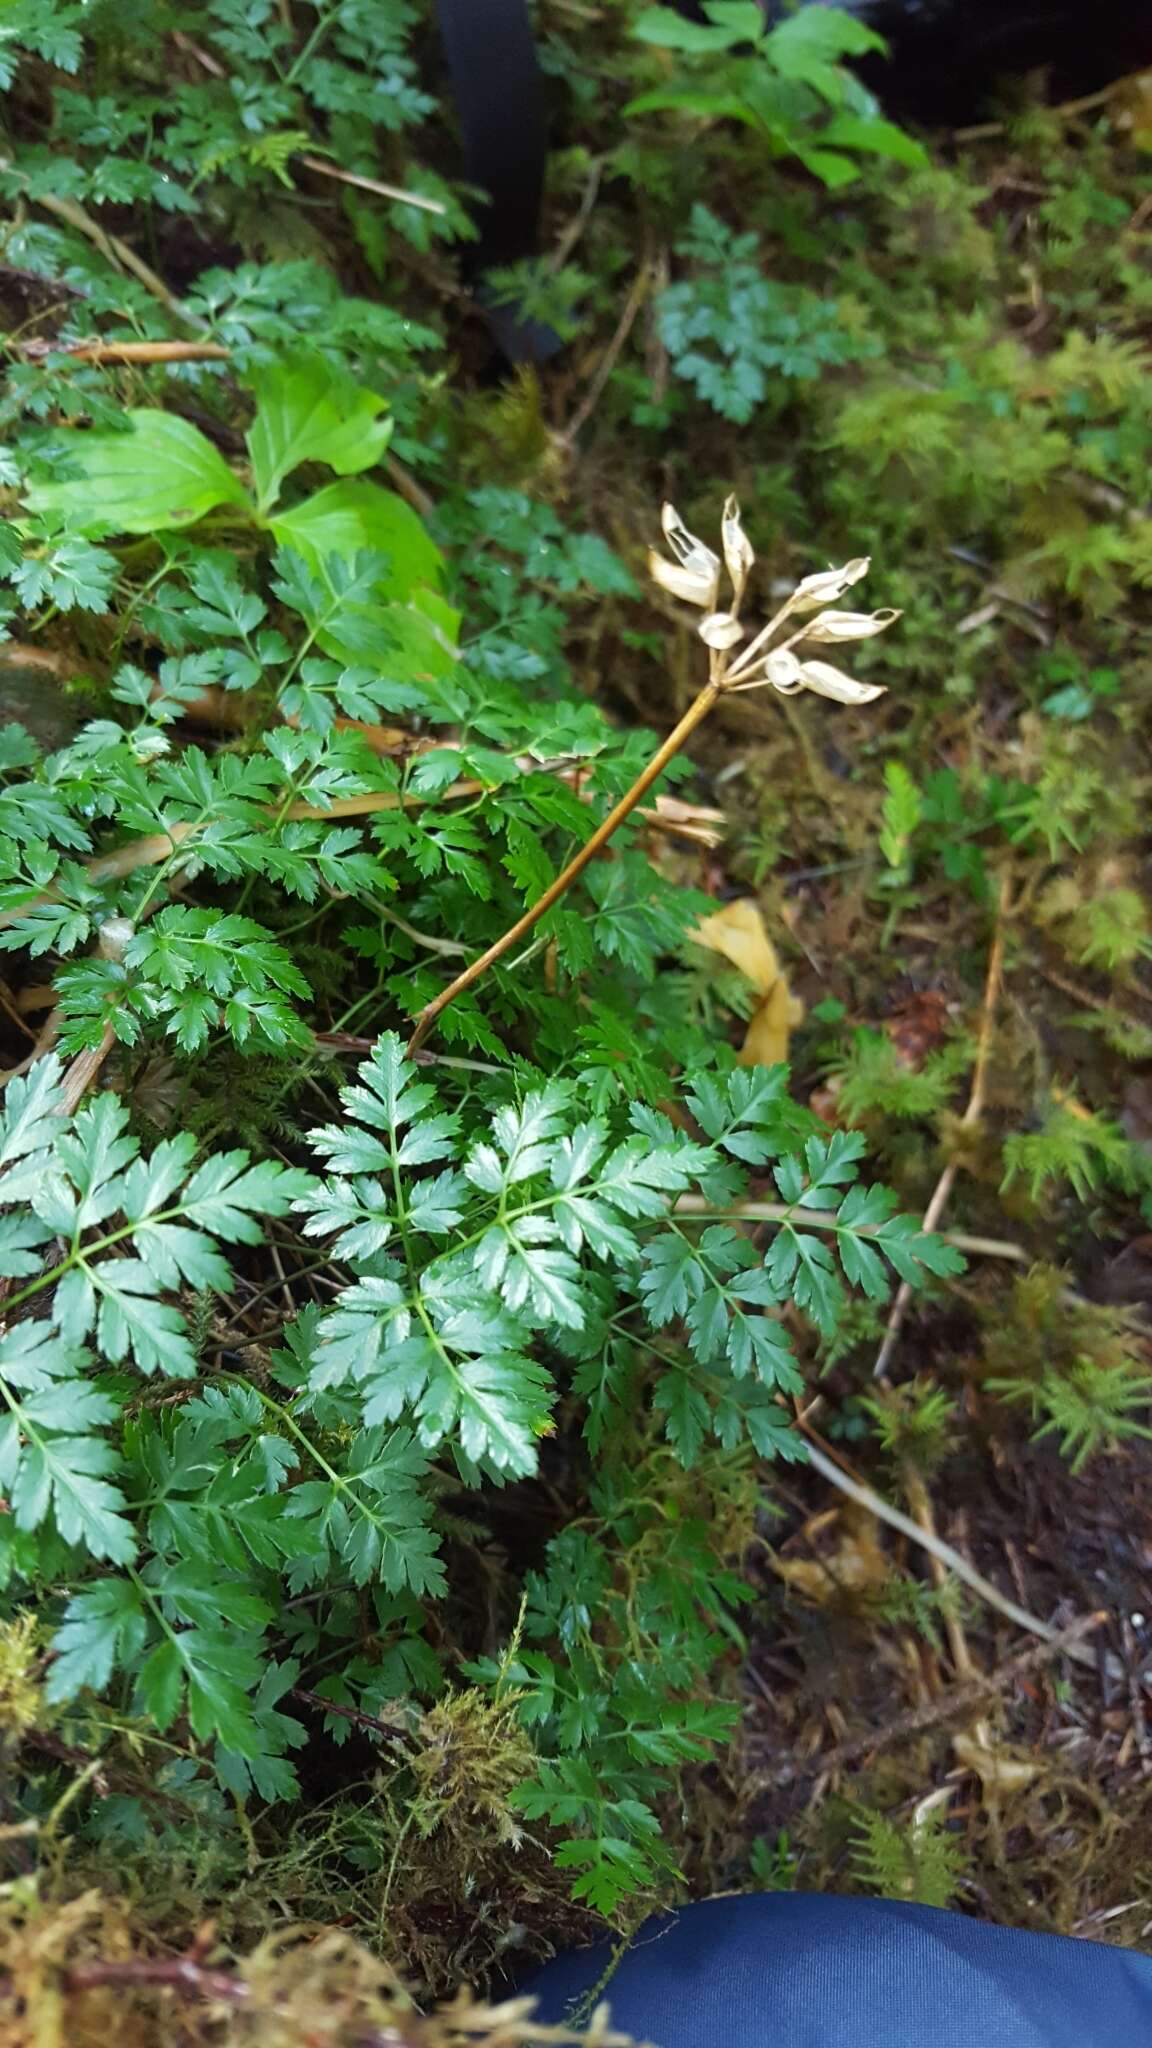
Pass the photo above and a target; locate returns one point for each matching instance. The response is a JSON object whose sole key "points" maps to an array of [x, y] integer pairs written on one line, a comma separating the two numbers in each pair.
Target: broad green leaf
{"points": [[729, 22], [811, 43], [875, 137], [346, 519], [306, 411], [163, 473]]}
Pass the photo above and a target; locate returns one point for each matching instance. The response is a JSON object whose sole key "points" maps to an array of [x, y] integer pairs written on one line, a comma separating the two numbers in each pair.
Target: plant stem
{"points": [[696, 713]]}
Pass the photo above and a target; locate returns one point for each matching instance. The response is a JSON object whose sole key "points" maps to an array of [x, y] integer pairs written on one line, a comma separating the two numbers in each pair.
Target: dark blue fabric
{"points": [[788, 1970]]}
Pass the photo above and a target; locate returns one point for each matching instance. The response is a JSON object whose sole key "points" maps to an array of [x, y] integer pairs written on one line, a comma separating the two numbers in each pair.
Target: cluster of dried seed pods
{"points": [[694, 575]]}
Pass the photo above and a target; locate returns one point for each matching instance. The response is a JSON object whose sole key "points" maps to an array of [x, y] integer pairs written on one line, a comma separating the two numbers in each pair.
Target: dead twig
{"points": [[825, 1219], [159, 846], [81, 1072], [972, 1115], [985, 131], [118, 253], [392, 1731], [408, 488], [124, 351], [865, 1497], [641, 286], [96, 351], [46, 1038], [567, 241], [960, 1699], [1090, 1001], [1136, 1699], [18, 654], [204, 58], [376, 185], [351, 1042], [175, 1973]]}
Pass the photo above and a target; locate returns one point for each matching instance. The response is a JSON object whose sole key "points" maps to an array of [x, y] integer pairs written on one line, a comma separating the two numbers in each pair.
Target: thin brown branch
{"points": [[826, 1219], [960, 1699], [125, 351], [203, 57], [46, 1038], [392, 1732], [567, 240], [641, 286], [81, 1072], [865, 1497], [942, 1192], [408, 488], [351, 1042], [175, 1973], [377, 185], [118, 253], [984, 131], [19, 654], [190, 352], [919, 1500], [158, 846], [696, 713]]}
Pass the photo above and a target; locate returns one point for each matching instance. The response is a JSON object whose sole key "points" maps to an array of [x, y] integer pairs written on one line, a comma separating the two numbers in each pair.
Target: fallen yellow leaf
{"points": [[737, 932], [998, 1769], [857, 1566], [770, 1028]]}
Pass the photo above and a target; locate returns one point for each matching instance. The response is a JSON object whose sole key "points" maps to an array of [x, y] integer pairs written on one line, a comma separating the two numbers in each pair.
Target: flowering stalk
{"points": [[693, 575]]}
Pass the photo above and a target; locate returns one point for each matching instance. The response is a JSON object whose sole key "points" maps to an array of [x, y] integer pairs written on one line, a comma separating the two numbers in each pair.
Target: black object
{"points": [[499, 96], [788, 1970], [946, 55]]}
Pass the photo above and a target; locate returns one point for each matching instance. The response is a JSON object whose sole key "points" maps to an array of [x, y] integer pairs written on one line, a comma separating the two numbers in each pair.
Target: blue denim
{"points": [[789, 1970]]}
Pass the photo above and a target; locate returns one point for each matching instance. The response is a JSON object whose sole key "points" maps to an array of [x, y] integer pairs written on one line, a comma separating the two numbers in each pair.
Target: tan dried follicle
{"points": [[693, 574]]}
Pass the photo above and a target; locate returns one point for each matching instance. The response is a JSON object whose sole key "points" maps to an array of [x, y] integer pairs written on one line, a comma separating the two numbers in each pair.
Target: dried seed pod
{"points": [[720, 630], [827, 681], [828, 585], [683, 544], [738, 553], [694, 575], [829, 626], [691, 586], [783, 671]]}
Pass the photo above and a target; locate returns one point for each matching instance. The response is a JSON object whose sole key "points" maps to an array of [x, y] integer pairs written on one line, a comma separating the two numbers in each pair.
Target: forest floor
{"points": [[947, 1691]]}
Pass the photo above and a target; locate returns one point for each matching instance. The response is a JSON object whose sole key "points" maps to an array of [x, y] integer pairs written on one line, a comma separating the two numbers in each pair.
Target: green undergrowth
{"points": [[386, 1436]]}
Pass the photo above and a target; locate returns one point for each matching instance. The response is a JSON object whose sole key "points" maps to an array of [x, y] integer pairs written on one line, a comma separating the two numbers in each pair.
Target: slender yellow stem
{"points": [[696, 713]]}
